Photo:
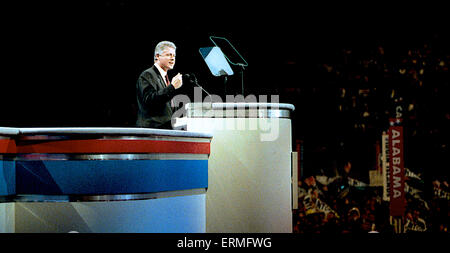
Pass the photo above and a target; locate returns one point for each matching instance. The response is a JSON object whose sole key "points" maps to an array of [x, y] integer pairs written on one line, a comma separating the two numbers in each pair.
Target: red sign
{"points": [[396, 171]]}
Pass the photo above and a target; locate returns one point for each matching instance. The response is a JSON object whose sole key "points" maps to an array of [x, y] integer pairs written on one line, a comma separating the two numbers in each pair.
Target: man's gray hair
{"points": [[159, 49]]}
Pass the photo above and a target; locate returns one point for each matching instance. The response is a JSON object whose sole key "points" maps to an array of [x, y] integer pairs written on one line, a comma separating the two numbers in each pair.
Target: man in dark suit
{"points": [[155, 91]]}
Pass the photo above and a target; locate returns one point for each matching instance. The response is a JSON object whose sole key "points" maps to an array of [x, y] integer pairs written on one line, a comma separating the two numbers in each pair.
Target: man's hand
{"points": [[177, 81]]}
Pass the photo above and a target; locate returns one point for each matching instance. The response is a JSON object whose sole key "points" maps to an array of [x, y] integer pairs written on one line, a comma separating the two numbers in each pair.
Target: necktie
{"points": [[167, 84], [167, 80]]}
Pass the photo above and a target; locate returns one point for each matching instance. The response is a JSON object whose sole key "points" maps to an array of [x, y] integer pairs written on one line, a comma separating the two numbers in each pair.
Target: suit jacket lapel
{"points": [[162, 82]]}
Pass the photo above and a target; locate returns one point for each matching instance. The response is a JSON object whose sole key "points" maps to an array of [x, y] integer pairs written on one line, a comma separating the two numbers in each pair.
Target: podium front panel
{"points": [[101, 180]]}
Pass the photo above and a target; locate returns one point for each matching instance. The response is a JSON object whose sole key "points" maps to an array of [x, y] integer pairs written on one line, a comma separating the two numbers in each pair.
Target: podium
{"points": [[101, 180], [250, 170]]}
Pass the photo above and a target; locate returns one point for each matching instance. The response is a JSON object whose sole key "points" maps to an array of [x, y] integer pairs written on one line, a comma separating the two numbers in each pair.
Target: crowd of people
{"points": [[355, 92], [352, 94], [342, 207]]}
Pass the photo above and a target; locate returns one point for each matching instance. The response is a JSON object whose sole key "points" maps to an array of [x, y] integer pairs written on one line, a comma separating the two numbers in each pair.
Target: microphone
{"points": [[191, 77]]}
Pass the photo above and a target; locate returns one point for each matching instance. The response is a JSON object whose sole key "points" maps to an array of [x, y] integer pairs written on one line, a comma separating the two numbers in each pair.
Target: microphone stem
{"points": [[209, 95], [203, 89], [196, 83]]}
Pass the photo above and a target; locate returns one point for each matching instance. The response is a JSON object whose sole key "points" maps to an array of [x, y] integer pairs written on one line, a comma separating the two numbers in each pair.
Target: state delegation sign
{"points": [[397, 171]]}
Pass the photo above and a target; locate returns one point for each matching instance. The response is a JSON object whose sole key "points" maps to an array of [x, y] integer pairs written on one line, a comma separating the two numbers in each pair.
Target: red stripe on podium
{"points": [[7, 146], [103, 146]]}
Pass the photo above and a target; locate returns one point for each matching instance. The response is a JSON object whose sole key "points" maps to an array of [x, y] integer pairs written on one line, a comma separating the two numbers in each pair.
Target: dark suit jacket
{"points": [[153, 99]]}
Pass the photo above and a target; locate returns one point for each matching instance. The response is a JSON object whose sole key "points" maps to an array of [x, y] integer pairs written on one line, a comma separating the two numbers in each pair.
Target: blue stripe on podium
{"points": [[95, 177], [7, 178]]}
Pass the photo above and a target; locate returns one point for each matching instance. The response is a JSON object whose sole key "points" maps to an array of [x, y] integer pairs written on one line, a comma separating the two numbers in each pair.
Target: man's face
{"points": [[166, 60]]}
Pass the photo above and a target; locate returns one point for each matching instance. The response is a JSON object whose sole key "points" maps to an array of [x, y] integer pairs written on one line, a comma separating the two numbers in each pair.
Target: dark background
{"points": [[76, 64]]}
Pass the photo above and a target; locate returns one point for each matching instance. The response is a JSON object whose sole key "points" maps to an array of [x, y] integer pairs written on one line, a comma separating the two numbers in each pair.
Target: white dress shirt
{"points": [[162, 72]]}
